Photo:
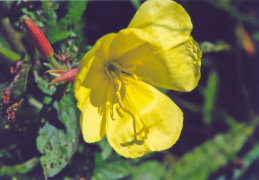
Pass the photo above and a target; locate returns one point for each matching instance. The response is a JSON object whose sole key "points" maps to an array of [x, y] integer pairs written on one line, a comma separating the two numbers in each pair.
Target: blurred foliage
{"points": [[39, 126], [214, 153], [210, 94], [19, 169]]}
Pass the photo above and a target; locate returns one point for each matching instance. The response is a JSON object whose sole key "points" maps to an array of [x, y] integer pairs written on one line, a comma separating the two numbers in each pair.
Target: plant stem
{"points": [[11, 56], [234, 12], [11, 37], [56, 65]]}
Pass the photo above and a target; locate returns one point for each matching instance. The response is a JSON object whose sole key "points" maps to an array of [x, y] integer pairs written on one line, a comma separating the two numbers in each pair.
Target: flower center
{"points": [[124, 76], [113, 71], [119, 76]]}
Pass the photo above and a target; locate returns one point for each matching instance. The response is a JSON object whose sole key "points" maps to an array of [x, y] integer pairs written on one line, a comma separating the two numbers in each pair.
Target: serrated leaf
{"points": [[205, 159], [56, 145]]}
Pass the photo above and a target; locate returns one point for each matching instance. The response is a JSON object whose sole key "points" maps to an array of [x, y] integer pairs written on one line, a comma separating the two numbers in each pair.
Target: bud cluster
{"points": [[61, 72]]}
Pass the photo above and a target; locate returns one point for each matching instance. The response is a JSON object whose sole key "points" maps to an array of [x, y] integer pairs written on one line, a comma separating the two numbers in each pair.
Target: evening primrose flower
{"points": [[116, 78]]}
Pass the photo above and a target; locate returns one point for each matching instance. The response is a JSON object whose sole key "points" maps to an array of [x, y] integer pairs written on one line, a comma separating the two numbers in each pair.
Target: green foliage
{"points": [[115, 170], [149, 170], [219, 138], [136, 3], [106, 149], [19, 83], [208, 47], [62, 29], [10, 55], [210, 94], [56, 145], [213, 154], [43, 84], [247, 161], [20, 168], [73, 16], [13, 93]]}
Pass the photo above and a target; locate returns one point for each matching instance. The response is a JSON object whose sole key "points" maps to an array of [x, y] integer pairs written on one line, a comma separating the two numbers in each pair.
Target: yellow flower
{"points": [[114, 85]]}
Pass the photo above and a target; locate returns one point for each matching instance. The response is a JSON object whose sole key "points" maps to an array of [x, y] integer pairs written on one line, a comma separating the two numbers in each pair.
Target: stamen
{"points": [[120, 77], [127, 69]]}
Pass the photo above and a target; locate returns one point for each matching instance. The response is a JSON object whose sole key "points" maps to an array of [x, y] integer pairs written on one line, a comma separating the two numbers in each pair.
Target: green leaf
{"points": [[12, 56], [210, 96], [20, 168], [56, 145], [43, 84], [5, 151], [75, 11], [112, 170], [55, 34], [256, 36], [30, 14], [208, 47], [136, 3], [49, 5], [62, 29], [205, 159], [248, 159], [150, 170], [106, 148]]}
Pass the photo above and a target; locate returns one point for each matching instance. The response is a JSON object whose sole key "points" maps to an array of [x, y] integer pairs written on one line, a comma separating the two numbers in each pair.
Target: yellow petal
{"points": [[149, 116], [90, 89], [93, 122], [177, 68], [91, 77], [165, 19]]}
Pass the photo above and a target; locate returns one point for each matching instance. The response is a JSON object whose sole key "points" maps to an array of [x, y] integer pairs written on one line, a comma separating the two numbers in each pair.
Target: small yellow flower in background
{"points": [[114, 85]]}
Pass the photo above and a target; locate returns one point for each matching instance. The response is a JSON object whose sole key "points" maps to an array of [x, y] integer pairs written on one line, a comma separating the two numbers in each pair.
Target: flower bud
{"points": [[39, 39], [62, 75]]}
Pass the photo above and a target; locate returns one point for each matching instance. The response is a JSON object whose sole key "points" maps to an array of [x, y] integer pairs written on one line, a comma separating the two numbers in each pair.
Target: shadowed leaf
{"points": [[43, 85], [56, 145], [12, 95]]}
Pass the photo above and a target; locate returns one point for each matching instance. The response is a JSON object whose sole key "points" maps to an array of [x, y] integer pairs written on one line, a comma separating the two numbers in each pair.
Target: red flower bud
{"points": [[39, 39], [62, 75]]}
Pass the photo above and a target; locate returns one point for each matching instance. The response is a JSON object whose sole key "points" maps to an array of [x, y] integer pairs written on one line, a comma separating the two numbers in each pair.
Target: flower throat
{"points": [[120, 75]]}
